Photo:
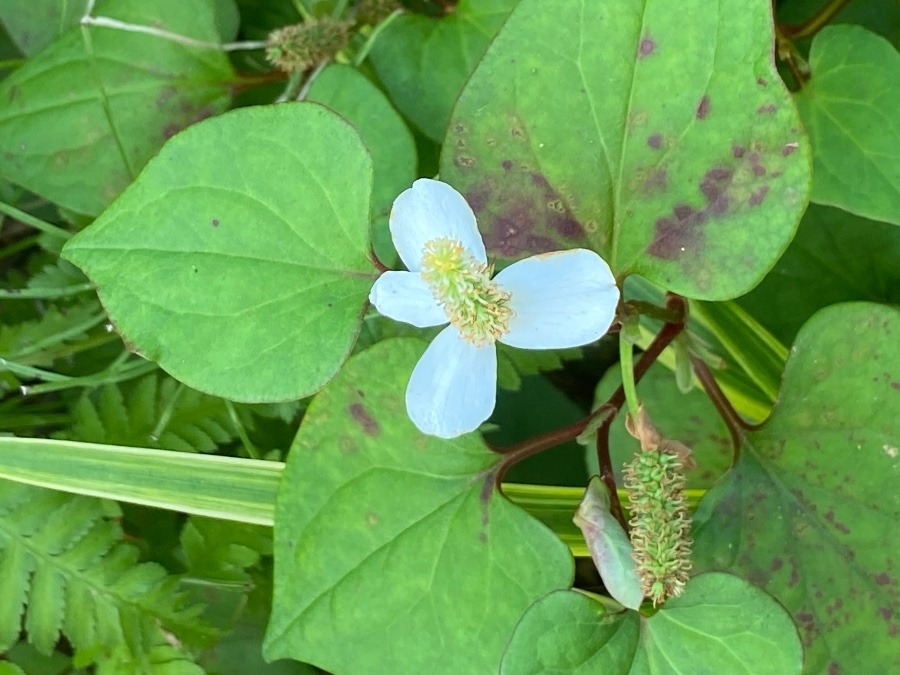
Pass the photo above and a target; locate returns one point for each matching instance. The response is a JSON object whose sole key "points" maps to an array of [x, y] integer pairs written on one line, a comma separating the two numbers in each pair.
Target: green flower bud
{"points": [[304, 45]]}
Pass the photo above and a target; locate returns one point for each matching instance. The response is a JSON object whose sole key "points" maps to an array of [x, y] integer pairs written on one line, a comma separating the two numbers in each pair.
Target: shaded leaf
{"points": [[694, 177], [424, 62], [395, 541], [260, 234], [836, 257], [849, 108], [78, 144], [34, 24], [353, 96], [810, 510]]}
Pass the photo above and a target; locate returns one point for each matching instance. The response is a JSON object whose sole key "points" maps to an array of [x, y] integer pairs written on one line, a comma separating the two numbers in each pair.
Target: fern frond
{"points": [[62, 558], [221, 550], [34, 342], [156, 412]]}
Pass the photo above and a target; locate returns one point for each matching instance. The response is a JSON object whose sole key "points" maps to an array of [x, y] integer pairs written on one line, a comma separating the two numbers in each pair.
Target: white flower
{"points": [[549, 301]]}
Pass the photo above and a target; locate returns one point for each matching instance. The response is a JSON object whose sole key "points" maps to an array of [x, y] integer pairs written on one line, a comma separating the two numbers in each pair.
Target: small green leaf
{"points": [[353, 96], [810, 510], [849, 107], [836, 257], [396, 542], [721, 624], [609, 545], [659, 135], [424, 62], [80, 119], [568, 632], [252, 226]]}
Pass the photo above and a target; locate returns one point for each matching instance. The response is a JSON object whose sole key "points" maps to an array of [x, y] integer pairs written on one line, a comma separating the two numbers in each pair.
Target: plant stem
{"points": [[373, 36], [626, 363], [36, 223], [735, 423], [44, 293], [816, 22], [107, 22]]}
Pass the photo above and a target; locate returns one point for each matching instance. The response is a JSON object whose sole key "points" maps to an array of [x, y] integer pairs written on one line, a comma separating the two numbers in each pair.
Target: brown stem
{"points": [[608, 476], [816, 22], [735, 423], [380, 266]]}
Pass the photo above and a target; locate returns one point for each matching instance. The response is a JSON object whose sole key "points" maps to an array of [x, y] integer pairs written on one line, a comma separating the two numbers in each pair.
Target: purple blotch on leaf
{"points": [[654, 141], [757, 197], [737, 151], [703, 108], [215, 222], [506, 164], [362, 417], [767, 109], [646, 48]]}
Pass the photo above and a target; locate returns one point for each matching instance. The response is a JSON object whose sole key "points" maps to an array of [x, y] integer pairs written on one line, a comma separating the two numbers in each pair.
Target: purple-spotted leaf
{"points": [[394, 548], [657, 133], [721, 624], [81, 118], [609, 546], [810, 510]]}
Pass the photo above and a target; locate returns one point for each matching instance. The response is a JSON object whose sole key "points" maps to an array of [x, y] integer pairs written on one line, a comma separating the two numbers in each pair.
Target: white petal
{"points": [[404, 296], [562, 299], [453, 387], [426, 211]]}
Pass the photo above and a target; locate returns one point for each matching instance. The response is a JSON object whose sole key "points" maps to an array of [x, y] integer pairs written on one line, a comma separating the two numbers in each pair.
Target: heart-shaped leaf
{"points": [[79, 120], [239, 258], [721, 624], [810, 511], [396, 543], [849, 107], [575, 130]]}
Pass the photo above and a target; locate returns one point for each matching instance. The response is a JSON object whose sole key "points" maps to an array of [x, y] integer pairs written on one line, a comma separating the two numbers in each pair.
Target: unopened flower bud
{"points": [[303, 45]]}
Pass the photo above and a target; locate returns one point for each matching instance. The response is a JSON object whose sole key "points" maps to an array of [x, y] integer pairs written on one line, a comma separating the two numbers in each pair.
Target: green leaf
{"points": [[810, 510], [424, 62], [836, 257], [248, 232], [396, 542], [352, 95], [609, 545], [80, 119], [219, 487], [33, 24], [689, 418], [849, 108], [568, 632], [721, 624], [62, 558], [661, 136]]}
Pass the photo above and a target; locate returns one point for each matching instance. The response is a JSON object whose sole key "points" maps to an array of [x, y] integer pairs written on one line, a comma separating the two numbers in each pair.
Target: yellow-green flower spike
{"points": [[477, 306], [660, 524]]}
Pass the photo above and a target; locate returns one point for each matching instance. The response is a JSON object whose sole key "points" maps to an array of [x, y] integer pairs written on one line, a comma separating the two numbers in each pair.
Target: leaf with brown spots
{"points": [[395, 542], [654, 133], [810, 511]]}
